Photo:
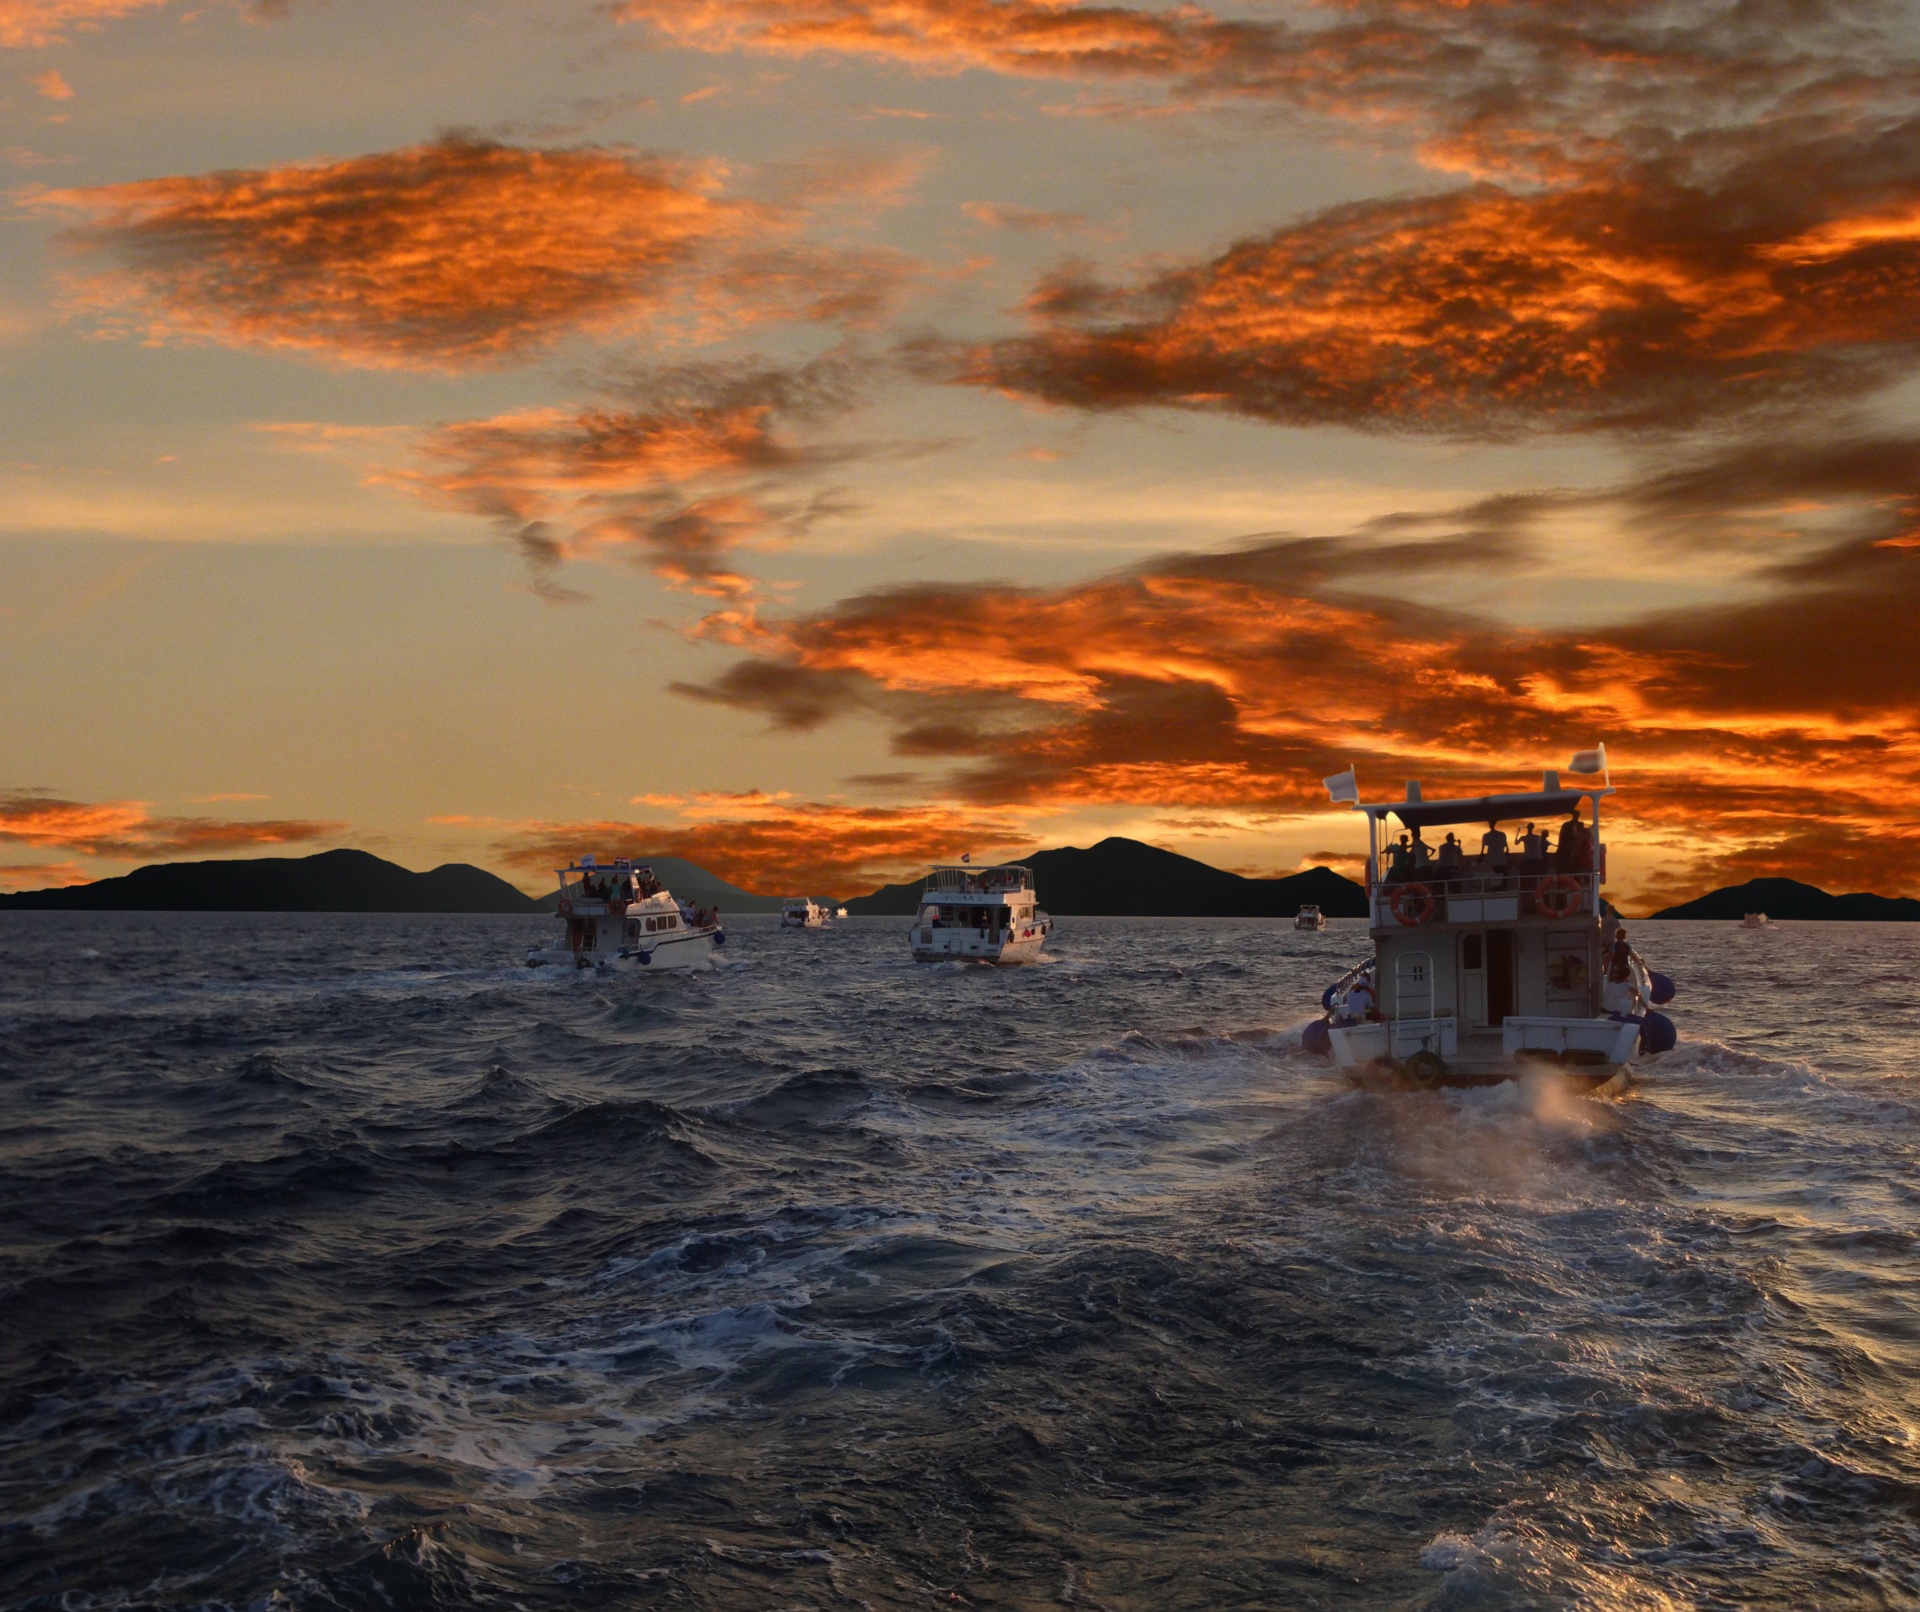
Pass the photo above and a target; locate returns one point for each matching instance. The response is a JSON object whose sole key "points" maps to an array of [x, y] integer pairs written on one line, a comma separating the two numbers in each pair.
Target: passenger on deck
{"points": [[1449, 860], [1620, 958], [1575, 853], [1493, 849], [1399, 862], [1533, 851], [1360, 999], [1422, 856]]}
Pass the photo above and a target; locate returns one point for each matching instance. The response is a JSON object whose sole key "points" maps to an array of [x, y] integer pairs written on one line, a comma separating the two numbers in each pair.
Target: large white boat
{"points": [[987, 915], [1491, 964], [803, 912], [621, 916]]}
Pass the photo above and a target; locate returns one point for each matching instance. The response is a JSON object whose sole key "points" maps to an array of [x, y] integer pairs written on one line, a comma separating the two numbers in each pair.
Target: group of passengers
{"points": [[1413, 860]]}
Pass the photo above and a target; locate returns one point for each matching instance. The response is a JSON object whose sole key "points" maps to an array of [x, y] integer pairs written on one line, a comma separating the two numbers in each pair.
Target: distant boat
{"points": [[620, 917], [1310, 918], [1755, 920], [839, 912], [987, 915], [803, 912], [1487, 966]]}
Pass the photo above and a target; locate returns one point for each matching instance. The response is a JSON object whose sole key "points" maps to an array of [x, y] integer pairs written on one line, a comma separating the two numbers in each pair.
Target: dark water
{"points": [[344, 1264]]}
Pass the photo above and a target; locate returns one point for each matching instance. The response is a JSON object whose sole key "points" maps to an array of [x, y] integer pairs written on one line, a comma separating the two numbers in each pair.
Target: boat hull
{"points": [[666, 955], [1587, 1054], [960, 946]]}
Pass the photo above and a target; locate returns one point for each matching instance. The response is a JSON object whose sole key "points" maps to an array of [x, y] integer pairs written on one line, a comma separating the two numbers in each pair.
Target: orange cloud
{"points": [[673, 471], [52, 86], [1623, 305], [784, 849], [127, 831], [27, 24], [42, 875], [1759, 734], [448, 256], [1524, 86]]}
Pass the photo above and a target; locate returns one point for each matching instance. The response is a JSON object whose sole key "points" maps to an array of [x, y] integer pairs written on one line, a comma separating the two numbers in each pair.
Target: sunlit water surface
{"points": [[346, 1264]]}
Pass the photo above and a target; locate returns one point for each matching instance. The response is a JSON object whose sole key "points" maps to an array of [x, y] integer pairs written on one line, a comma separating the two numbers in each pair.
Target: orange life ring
{"points": [[566, 905], [1558, 896], [1411, 903], [617, 908]]}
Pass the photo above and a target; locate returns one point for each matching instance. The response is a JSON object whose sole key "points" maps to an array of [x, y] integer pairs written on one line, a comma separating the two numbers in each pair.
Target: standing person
{"points": [[1493, 849], [1533, 851], [1450, 857], [1399, 862], [1575, 850], [1422, 855]]}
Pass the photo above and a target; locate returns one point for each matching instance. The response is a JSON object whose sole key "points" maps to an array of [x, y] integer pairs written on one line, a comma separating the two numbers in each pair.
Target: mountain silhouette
{"points": [[1123, 878], [1790, 899]]}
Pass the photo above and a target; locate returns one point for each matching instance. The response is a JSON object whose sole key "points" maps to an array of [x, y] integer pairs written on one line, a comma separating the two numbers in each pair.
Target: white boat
{"points": [[802, 912], [1755, 920], [839, 912], [987, 915], [1491, 966], [620, 916], [1310, 918]]}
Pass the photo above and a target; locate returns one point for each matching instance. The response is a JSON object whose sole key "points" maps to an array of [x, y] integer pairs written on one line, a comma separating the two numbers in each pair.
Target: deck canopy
{"points": [[1537, 805]]}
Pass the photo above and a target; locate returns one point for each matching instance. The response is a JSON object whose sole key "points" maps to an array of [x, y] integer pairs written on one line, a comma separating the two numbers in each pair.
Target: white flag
{"points": [[1589, 762], [1343, 786]]}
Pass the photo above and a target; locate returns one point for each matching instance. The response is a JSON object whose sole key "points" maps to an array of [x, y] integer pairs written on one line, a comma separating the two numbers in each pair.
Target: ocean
{"points": [[345, 1263]]}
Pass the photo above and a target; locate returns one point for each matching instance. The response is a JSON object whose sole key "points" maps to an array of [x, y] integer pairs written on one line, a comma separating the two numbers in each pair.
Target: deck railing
{"points": [[1485, 898]]}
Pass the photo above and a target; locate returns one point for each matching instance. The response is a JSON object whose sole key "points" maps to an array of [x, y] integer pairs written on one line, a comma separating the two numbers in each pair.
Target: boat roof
{"points": [[1536, 804]]}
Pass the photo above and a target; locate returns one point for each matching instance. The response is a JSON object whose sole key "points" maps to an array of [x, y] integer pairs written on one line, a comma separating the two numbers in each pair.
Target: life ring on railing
{"points": [[1411, 903], [566, 905], [1558, 896], [617, 908]]}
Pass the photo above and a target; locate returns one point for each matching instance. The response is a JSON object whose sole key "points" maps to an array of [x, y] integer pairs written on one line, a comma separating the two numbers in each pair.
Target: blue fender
{"points": [[1660, 991], [1657, 1034], [719, 937], [1316, 1039]]}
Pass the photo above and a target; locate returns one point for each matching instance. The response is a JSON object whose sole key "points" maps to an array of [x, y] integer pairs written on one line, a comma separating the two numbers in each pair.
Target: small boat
{"points": [[839, 912], [802, 912], [1755, 920], [1488, 967], [987, 915], [1310, 918], [621, 916]]}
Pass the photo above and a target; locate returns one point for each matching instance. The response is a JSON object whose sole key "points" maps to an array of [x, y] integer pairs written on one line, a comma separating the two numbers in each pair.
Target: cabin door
{"points": [[1473, 979], [1500, 950]]}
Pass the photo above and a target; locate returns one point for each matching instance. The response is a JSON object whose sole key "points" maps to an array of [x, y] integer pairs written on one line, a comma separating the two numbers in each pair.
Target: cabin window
{"points": [[672, 922], [1471, 952], [633, 931]]}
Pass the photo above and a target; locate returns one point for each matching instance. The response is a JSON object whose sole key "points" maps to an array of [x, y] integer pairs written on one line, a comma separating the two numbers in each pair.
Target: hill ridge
{"points": [[1796, 902]]}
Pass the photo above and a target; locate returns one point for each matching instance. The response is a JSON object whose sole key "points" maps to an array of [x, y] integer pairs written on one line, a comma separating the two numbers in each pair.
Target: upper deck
{"points": [[1539, 855], [588, 888], [955, 883]]}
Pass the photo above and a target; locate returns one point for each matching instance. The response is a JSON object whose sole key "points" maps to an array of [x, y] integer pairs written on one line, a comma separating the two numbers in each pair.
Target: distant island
{"points": [[333, 881], [1116, 878], [1792, 900], [1121, 878]]}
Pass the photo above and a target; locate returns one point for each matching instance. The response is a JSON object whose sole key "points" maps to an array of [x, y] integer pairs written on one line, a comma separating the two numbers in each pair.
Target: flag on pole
{"points": [[966, 856], [1589, 762], [1343, 786]]}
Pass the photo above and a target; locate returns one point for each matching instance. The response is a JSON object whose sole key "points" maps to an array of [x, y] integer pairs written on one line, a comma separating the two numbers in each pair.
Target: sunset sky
{"points": [[814, 437]]}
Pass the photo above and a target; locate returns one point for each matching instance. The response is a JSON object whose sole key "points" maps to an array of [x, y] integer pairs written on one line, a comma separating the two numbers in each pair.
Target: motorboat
{"points": [[1488, 966], [1755, 920], [620, 916], [1310, 918], [802, 912], [979, 914], [839, 912]]}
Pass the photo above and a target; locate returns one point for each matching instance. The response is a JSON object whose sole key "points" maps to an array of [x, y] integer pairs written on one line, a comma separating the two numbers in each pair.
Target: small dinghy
{"points": [[1489, 966], [622, 917], [1310, 918]]}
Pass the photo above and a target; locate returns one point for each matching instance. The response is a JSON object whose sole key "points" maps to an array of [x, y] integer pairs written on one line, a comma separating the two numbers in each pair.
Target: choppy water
{"points": [[344, 1264]]}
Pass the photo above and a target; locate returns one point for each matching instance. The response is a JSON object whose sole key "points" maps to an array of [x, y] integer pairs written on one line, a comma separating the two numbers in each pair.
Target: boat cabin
{"points": [[1484, 910], [987, 912]]}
